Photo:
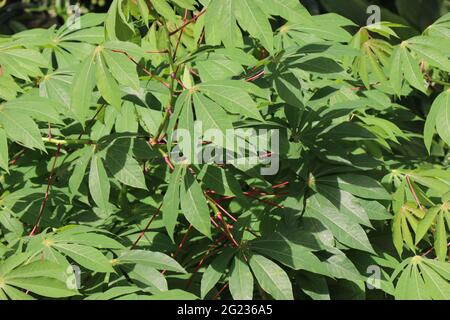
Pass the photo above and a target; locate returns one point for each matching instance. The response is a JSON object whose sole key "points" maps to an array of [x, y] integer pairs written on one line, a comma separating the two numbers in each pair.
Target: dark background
{"points": [[17, 15]]}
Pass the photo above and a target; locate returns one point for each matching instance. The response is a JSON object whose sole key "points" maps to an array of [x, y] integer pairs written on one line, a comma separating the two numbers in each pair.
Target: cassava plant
{"points": [[99, 200]]}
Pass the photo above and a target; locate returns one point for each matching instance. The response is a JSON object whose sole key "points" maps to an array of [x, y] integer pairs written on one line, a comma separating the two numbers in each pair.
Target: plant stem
{"points": [[47, 192], [440, 82], [188, 22], [68, 141], [141, 235], [220, 291], [416, 198]]}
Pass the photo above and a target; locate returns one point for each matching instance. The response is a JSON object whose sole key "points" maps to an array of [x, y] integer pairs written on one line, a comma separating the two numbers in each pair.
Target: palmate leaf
{"points": [[77, 243], [405, 220], [40, 277], [21, 63], [289, 253], [430, 49], [424, 279], [111, 92], [253, 19], [38, 108], [344, 228], [221, 26]]}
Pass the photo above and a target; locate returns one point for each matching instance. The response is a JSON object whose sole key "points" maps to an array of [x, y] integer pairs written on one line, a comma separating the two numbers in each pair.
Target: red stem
{"points": [[256, 76], [143, 68], [188, 22], [180, 246], [141, 235], [220, 291], [183, 241], [203, 258], [47, 192], [180, 35], [416, 198]]}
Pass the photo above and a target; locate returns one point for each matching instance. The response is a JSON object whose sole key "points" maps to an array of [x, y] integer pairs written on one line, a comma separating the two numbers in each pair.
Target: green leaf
{"points": [[4, 158], [271, 278], [234, 99], [124, 168], [314, 286], [430, 124], [358, 185], [289, 253], [412, 71], [241, 280], [440, 241], [291, 10], [122, 68], [79, 170], [253, 19], [41, 268], [210, 114], [44, 286], [194, 206], [443, 116], [89, 239], [149, 276], [88, 257], [424, 225], [82, 87], [395, 71], [106, 84], [152, 259], [437, 286], [99, 183], [21, 128], [116, 25], [346, 203], [171, 201], [345, 229], [37, 107], [214, 271], [340, 266], [219, 180], [220, 24]]}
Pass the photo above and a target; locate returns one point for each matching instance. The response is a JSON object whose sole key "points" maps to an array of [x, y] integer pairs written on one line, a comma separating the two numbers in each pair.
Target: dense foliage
{"points": [[358, 209]]}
